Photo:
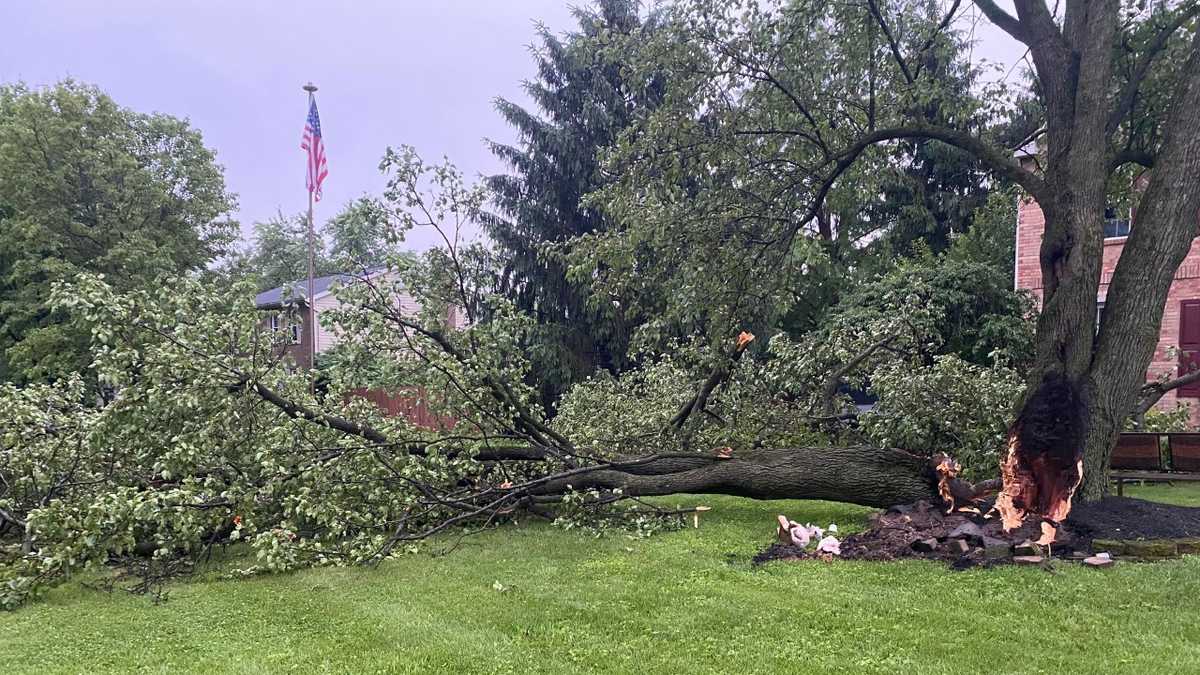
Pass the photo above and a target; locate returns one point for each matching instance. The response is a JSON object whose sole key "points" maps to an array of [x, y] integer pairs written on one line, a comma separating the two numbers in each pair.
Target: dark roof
{"points": [[296, 290]]}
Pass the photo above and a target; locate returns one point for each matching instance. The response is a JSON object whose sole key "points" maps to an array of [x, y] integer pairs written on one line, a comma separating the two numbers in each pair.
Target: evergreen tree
{"points": [[930, 191], [583, 103]]}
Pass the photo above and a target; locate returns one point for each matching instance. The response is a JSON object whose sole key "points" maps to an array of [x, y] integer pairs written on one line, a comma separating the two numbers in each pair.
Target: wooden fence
{"points": [[411, 405]]}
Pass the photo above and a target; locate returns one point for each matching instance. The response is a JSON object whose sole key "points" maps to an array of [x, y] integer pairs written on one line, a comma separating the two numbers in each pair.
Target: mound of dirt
{"points": [[966, 539]]}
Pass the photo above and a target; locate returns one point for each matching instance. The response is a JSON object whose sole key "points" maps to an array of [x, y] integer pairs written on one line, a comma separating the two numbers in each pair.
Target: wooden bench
{"points": [[1138, 457]]}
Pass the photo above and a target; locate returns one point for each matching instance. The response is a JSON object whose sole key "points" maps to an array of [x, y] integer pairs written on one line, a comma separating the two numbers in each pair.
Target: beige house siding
{"points": [[327, 336]]}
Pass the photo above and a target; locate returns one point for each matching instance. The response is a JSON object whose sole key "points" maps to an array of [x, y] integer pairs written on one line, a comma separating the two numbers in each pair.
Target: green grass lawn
{"points": [[680, 602]]}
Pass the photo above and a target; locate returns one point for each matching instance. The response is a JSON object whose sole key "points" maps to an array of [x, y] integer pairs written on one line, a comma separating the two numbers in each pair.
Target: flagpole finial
{"points": [[310, 87]]}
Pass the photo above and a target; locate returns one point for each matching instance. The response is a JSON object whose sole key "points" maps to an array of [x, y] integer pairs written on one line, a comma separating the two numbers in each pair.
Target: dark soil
{"points": [[1128, 518], [965, 540]]}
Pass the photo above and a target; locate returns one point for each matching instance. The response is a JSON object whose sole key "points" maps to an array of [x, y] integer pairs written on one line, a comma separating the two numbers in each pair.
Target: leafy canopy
{"points": [[89, 186]]}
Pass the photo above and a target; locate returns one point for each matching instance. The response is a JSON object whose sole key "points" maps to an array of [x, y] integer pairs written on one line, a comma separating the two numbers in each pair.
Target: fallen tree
{"points": [[878, 477], [211, 438]]}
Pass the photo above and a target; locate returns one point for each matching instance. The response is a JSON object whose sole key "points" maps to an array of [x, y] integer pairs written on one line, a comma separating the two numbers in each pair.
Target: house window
{"points": [[1099, 314], [1113, 225], [292, 327]]}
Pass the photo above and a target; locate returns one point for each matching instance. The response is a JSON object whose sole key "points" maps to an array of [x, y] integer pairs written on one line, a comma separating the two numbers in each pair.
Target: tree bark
{"points": [[1108, 369], [859, 475], [1074, 77], [1168, 217]]}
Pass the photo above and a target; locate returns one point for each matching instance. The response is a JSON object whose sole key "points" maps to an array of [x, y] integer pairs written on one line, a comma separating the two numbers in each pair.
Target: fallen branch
{"points": [[698, 403]]}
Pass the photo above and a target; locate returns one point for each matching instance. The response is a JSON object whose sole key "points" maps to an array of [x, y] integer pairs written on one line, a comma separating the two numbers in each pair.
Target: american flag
{"points": [[312, 143]]}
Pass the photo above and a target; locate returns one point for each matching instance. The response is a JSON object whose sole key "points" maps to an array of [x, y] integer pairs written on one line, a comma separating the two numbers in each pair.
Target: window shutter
{"points": [[1189, 344]]}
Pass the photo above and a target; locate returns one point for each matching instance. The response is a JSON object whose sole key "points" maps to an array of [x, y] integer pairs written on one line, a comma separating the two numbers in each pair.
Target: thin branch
{"points": [[873, 8], [298, 411], [1153, 391], [829, 391], [941, 27], [699, 402], [996, 159], [6, 516]]}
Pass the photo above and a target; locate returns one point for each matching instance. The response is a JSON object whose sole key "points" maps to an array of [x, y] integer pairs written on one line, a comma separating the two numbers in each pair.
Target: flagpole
{"points": [[312, 311]]}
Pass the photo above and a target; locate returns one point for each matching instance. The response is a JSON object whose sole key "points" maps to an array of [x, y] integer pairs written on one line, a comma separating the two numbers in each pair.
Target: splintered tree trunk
{"points": [[1075, 67], [860, 475], [1061, 410], [1103, 371], [1106, 369]]}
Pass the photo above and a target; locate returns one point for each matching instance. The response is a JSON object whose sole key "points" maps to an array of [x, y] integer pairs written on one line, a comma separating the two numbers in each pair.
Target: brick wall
{"points": [[1030, 226]]}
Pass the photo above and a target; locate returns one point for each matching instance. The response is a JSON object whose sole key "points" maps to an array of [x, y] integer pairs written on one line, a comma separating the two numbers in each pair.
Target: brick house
{"points": [[285, 310], [1181, 316]]}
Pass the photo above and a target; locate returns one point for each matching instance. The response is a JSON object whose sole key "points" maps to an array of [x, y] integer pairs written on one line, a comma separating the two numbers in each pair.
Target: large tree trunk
{"points": [[859, 475], [1168, 218], [1106, 370]]}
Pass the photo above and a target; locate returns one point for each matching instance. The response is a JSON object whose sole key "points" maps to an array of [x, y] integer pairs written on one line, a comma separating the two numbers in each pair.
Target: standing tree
{"points": [[584, 98], [361, 236], [1114, 84], [86, 185], [278, 254], [1098, 69]]}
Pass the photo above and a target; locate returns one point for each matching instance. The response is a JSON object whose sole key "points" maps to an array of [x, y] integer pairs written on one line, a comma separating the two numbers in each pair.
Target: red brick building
{"points": [[1181, 316]]}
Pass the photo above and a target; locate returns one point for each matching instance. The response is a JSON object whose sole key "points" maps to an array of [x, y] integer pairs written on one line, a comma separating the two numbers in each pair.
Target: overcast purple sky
{"points": [[390, 72], [415, 72]]}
